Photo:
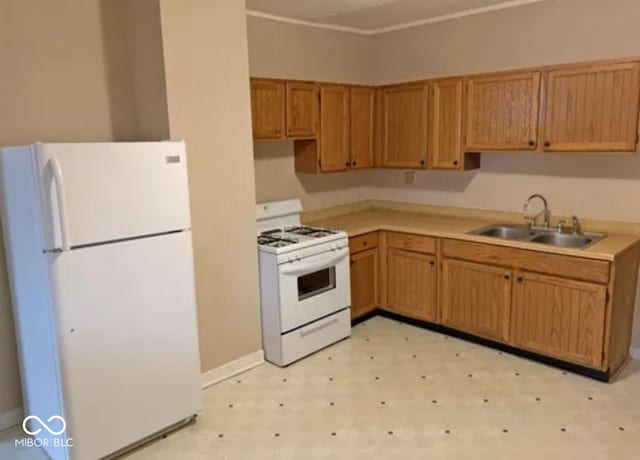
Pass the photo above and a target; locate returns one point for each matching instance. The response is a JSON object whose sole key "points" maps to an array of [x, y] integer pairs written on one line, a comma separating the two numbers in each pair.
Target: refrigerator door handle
{"points": [[62, 203]]}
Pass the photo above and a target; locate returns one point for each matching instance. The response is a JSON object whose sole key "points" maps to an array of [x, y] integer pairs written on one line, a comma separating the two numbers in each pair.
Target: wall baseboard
{"points": [[236, 367], [11, 418], [635, 353]]}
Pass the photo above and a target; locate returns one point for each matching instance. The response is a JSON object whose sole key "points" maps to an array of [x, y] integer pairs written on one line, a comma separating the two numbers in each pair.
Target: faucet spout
{"points": [[545, 212]]}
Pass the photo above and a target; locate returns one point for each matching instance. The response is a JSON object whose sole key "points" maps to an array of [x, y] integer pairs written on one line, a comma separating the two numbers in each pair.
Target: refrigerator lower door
{"points": [[126, 323]]}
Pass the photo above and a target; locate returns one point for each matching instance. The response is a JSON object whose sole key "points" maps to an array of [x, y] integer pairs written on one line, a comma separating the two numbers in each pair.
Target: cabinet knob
{"points": [[432, 263], [507, 277], [547, 144], [364, 243], [421, 162], [353, 163], [347, 164], [455, 162], [532, 143], [520, 279]]}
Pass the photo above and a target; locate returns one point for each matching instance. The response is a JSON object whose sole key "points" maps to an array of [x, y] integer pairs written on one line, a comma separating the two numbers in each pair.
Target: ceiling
{"points": [[373, 16]]}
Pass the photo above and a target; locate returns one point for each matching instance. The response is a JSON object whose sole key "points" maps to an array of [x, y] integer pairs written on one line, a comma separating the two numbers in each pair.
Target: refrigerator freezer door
{"points": [[100, 192], [128, 340]]}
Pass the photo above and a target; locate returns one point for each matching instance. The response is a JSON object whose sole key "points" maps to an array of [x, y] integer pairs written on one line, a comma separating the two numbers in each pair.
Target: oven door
{"points": [[314, 287]]}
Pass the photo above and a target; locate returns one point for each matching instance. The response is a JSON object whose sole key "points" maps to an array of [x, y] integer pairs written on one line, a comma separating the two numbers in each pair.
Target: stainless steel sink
{"points": [[563, 240], [507, 232], [541, 235]]}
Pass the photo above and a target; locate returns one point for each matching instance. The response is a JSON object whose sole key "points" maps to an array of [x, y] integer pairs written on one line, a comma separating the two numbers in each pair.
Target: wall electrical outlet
{"points": [[409, 177]]}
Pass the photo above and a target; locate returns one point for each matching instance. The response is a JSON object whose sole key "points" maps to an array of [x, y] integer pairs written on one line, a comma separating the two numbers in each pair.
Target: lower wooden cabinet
{"points": [[412, 284], [364, 282], [564, 311], [558, 317], [365, 269], [476, 298]]}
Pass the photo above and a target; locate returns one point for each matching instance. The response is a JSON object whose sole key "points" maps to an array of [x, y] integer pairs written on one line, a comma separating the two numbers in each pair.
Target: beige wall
{"points": [[74, 71], [281, 50], [549, 32], [207, 80]]}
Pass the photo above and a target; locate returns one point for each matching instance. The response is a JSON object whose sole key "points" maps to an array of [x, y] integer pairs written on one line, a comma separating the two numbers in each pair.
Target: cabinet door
{"points": [[559, 318], [502, 111], [412, 284], [267, 109], [404, 126], [334, 128], [364, 282], [362, 121], [476, 298], [302, 109], [446, 125], [592, 108]]}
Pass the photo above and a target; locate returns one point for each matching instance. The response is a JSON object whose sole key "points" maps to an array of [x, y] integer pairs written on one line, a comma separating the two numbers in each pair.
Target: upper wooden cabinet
{"points": [[592, 108], [502, 111], [267, 109], [404, 126], [446, 124], [302, 109], [558, 317], [362, 126], [476, 298], [334, 128]]}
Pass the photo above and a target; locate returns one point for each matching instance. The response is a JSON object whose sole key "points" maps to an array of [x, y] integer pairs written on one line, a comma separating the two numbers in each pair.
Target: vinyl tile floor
{"points": [[395, 391]]}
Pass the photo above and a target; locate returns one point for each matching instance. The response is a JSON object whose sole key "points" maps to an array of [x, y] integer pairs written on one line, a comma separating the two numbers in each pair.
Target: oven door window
{"points": [[316, 283]]}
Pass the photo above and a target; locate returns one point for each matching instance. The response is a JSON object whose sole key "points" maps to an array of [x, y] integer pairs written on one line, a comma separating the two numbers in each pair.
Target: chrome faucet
{"points": [[531, 221]]}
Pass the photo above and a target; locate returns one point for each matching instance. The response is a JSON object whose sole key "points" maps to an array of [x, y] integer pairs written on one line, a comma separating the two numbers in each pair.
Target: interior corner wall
{"points": [[544, 33], [207, 81], [291, 51]]}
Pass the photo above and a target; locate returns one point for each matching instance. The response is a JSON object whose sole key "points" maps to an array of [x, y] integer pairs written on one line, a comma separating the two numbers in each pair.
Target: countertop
{"points": [[364, 221]]}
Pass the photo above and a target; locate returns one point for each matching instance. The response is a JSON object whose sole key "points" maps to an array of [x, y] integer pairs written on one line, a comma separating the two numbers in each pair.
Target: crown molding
{"points": [[406, 25]]}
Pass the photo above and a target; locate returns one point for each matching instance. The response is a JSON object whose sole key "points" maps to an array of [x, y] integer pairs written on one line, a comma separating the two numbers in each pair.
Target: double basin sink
{"points": [[541, 235]]}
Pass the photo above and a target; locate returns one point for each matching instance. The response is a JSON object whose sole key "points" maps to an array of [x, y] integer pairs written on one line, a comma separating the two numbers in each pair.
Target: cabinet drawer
{"points": [[593, 270], [362, 242], [408, 242]]}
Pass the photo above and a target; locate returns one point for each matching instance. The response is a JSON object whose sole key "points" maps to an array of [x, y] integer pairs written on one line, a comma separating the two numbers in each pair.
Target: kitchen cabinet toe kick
{"points": [[596, 374]]}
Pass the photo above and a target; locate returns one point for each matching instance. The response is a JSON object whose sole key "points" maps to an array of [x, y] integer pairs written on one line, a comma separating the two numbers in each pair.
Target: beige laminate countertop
{"points": [[448, 226]]}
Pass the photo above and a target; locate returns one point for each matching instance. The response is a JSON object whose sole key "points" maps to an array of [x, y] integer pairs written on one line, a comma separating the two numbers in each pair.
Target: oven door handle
{"points": [[301, 268]]}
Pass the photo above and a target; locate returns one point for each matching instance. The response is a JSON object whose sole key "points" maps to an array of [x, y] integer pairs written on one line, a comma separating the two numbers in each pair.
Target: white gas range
{"points": [[304, 283]]}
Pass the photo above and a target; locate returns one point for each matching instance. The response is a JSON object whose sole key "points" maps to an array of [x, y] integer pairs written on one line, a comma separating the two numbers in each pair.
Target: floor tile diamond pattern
{"points": [[395, 391]]}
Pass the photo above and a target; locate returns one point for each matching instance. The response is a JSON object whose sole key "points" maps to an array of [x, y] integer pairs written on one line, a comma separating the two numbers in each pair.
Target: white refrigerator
{"points": [[100, 261]]}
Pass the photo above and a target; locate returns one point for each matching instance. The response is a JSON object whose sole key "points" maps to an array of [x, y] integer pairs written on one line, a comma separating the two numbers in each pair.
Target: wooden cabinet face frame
{"points": [[301, 109], [558, 317], [334, 136], [447, 124], [502, 111], [476, 298], [364, 281], [362, 126], [405, 126], [268, 109], [591, 108]]}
